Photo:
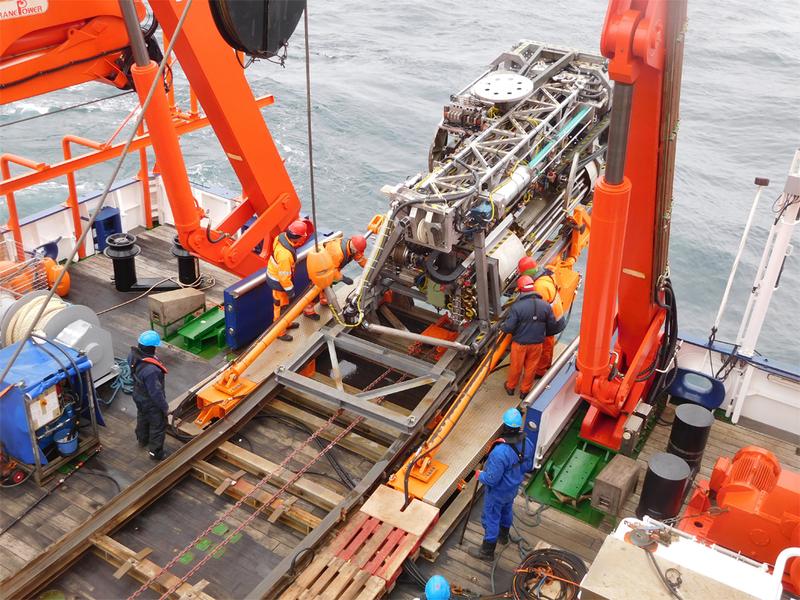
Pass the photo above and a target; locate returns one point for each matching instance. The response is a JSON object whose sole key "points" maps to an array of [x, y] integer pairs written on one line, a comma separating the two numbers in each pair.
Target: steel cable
{"points": [[308, 127], [65, 109]]}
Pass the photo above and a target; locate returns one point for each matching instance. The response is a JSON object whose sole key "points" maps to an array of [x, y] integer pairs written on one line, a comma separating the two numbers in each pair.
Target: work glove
{"points": [[291, 294], [347, 280], [477, 473]]}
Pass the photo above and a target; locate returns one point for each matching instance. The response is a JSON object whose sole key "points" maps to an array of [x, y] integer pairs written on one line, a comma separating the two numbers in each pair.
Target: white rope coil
{"points": [[25, 317]]}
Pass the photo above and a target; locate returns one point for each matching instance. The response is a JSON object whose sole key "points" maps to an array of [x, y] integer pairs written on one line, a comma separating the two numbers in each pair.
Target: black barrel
{"points": [[122, 249], [664, 487], [188, 265], [689, 434]]}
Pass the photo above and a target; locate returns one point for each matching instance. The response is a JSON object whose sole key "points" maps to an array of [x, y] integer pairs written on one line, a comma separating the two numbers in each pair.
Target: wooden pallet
{"points": [[365, 559]]}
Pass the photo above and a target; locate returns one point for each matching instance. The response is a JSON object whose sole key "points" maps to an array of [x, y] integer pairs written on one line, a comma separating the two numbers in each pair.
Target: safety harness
{"points": [[520, 453], [146, 359]]}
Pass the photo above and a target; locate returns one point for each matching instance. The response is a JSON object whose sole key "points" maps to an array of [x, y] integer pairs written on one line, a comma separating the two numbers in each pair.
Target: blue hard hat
{"points": [[437, 588], [150, 338], [512, 418]]}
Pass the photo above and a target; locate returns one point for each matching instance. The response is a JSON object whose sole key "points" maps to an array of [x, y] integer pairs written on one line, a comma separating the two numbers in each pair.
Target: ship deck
{"points": [[164, 527], [120, 458], [121, 462], [559, 530]]}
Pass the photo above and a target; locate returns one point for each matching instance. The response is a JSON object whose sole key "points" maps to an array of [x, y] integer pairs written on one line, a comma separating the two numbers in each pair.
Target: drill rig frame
{"points": [[511, 169]]}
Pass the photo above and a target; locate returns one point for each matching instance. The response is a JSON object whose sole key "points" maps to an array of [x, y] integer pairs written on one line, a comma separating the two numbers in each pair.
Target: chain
{"points": [[241, 501], [261, 508], [257, 487]]}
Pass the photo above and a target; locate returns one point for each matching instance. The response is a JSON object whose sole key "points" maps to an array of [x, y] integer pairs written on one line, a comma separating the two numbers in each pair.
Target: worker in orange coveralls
{"points": [[342, 252], [280, 271], [545, 285], [530, 321]]}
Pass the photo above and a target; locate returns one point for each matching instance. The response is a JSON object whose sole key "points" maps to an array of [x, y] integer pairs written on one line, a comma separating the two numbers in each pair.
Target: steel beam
{"points": [[384, 356], [343, 399], [396, 387]]}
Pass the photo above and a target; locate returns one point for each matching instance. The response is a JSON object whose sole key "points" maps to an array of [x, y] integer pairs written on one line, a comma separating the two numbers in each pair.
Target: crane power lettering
{"points": [[12, 9]]}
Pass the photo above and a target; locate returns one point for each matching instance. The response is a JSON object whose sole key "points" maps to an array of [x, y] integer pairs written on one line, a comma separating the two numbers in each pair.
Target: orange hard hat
{"points": [[525, 283], [526, 263], [359, 243], [297, 229]]}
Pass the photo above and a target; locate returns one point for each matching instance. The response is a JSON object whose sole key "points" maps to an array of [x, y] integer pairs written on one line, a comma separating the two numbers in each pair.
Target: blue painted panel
{"points": [[249, 315]]}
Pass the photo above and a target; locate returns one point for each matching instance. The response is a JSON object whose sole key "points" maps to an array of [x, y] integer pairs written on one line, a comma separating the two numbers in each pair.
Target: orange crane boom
{"points": [[627, 283], [60, 43]]}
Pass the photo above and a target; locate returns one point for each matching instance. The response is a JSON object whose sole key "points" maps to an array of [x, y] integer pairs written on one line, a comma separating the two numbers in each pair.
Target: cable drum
{"points": [[72, 325], [23, 318], [548, 573]]}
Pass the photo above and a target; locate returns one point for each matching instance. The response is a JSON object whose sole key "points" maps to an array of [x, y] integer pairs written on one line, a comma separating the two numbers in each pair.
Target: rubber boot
{"points": [[502, 539], [485, 552]]}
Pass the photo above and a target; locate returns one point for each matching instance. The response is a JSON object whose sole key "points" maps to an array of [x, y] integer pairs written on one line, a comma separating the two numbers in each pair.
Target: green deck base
{"points": [[203, 336], [572, 468]]}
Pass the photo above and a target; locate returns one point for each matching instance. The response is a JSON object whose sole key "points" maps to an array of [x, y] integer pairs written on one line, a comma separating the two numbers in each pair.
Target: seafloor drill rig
{"points": [[512, 172]]}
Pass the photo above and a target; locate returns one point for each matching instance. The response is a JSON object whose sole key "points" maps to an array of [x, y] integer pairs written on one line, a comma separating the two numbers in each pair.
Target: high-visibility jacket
{"points": [[280, 268], [545, 286], [339, 251]]}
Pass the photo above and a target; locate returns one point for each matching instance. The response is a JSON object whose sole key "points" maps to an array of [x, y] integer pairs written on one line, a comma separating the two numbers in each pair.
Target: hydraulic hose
{"points": [[548, 566]]}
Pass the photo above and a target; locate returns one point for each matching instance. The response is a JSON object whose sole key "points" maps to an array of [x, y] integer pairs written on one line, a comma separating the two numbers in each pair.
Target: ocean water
{"points": [[382, 71]]}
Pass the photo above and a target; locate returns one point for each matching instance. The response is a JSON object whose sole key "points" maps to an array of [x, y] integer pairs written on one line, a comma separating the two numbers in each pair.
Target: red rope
{"points": [[260, 509]]}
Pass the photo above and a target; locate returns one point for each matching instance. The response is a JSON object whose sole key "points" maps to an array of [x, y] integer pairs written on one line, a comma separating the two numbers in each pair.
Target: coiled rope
{"points": [[25, 318], [123, 381]]}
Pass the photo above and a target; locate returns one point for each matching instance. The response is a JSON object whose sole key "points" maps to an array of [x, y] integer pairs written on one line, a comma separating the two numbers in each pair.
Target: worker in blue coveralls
{"points": [[509, 459], [148, 394]]}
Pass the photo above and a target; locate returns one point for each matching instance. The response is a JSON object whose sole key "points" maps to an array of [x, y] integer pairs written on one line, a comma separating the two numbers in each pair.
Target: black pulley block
{"points": [[258, 28]]}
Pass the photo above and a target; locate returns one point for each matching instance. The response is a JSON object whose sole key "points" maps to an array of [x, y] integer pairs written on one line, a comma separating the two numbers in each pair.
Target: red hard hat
{"points": [[525, 264], [297, 229], [525, 284], [359, 243]]}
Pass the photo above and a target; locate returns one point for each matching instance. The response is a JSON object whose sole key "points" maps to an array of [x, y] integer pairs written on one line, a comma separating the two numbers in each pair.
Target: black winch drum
{"points": [[188, 266], [689, 435], [664, 487], [122, 249]]}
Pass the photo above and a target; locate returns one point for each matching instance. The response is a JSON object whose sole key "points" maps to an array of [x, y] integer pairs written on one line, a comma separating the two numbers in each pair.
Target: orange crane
{"points": [[627, 276], [49, 45]]}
